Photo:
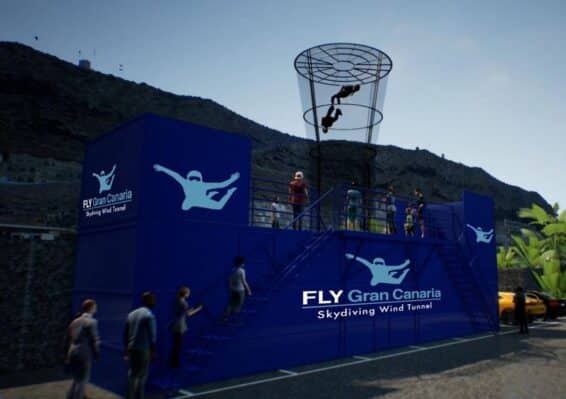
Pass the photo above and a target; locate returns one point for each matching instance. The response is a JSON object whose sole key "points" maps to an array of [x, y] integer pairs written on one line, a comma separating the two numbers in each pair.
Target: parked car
{"points": [[535, 307], [554, 307]]}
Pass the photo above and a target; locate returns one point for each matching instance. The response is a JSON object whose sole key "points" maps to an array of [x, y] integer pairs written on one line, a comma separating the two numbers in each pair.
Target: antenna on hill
{"points": [[84, 63]]}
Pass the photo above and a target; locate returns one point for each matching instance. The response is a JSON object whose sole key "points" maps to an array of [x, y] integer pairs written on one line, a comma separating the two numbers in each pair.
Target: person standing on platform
{"points": [[140, 336], [420, 203], [390, 209], [238, 288], [298, 196], [275, 213], [520, 310], [81, 346], [354, 202], [182, 311], [409, 222], [380, 215]]}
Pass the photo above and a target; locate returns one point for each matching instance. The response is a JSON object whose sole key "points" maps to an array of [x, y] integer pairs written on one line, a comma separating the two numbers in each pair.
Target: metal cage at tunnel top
{"points": [[348, 77]]}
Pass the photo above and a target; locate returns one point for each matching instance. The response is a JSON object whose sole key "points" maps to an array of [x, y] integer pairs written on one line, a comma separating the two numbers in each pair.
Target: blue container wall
{"points": [[111, 179], [207, 170], [124, 190], [160, 241], [107, 251], [284, 332], [107, 261], [479, 244]]}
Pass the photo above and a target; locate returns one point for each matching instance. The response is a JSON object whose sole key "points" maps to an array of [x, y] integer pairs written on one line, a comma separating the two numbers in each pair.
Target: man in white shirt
{"points": [[82, 344], [238, 287], [275, 213], [140, 337]]}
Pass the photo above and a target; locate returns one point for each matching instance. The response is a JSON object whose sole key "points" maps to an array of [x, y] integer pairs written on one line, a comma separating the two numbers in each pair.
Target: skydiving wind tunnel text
{"points": [[398, 300]]}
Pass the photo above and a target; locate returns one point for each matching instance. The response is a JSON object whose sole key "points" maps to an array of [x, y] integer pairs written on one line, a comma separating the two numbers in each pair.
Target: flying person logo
{"points": [[482, 236], [200, 194], [105, 181], [382, 273]]}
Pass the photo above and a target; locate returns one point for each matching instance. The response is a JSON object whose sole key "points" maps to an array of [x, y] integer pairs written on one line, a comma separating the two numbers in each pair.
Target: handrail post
{"points": [[309, 208], [252, 210]]}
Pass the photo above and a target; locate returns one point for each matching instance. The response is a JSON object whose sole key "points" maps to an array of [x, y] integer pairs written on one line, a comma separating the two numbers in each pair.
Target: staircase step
{"points": [[165, 384], [216, 338], [271, 281], [449, 252], [172, 380], [190, 369], [257, 298], [235, 324], [200, 352]]}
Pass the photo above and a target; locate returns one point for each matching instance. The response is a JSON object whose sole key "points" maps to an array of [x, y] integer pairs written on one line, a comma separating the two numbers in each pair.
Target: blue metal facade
{"points": [[316, 295]]}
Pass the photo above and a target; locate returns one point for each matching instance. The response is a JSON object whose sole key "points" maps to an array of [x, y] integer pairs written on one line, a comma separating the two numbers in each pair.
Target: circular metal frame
{"points": [[337, 64], [377, 121]]}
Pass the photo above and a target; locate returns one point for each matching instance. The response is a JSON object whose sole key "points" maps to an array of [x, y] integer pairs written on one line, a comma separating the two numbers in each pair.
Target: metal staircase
{"points": [[471, 293], [196, 357]]}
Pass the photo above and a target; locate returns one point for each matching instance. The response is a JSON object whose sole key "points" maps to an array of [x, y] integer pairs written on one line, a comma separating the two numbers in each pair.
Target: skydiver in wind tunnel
{"points": [[328, 120], [344, 92]]}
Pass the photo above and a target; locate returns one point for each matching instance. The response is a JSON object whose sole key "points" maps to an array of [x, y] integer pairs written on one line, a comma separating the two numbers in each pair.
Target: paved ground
{"points": [[506, 366]]}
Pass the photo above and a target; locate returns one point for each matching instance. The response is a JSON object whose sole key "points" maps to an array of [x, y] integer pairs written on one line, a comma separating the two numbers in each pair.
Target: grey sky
{"points": [[481, 81]]}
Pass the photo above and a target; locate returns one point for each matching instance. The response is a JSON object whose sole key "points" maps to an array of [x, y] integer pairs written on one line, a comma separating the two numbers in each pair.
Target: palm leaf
{"points": [[562, 285], [554, 229], [536, 214], [541, 282], [528, 252], [551, 281], [506, 258]]}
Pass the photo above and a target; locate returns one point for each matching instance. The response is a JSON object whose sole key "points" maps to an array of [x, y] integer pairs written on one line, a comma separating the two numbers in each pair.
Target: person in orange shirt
{"points": [[298, 196]]}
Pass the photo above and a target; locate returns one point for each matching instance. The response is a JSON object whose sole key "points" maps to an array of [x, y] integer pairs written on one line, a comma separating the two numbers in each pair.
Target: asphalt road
{"points": [[507, 366]]}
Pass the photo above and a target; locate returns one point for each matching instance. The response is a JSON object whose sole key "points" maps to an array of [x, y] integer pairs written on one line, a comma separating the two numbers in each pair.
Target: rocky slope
{"points": [[50, 108]]}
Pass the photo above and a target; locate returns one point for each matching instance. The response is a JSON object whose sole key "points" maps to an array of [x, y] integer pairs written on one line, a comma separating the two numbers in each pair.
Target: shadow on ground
{"points": [[379, 377]]}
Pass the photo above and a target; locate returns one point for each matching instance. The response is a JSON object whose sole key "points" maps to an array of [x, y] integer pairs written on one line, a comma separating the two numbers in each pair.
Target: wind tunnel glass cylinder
{"points": [[342, 88]]}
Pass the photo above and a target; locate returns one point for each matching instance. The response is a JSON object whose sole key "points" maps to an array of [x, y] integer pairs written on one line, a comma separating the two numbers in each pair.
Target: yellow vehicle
{"points": [[535, 307]]}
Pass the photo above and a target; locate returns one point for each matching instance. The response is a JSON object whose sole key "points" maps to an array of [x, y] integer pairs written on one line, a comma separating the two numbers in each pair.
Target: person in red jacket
{"points": [[298, 196]]}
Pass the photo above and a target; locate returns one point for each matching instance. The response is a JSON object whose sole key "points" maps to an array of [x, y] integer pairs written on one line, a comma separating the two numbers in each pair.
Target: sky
{"points": [[483, 82]]}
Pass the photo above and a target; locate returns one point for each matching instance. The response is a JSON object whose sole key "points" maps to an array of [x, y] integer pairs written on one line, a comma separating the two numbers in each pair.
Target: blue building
{"points": [[166, 204]]}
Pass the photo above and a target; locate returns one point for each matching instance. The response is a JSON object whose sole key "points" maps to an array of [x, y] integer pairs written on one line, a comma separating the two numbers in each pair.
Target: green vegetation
{"points": [[543, 249]]}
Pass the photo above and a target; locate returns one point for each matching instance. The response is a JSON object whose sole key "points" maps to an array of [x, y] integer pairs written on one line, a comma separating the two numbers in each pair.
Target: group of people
{"points": [[414, 211], [333, 114], [299, 195], [82, 340]]}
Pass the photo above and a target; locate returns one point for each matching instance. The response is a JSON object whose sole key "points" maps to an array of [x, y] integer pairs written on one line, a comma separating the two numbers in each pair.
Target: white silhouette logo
{"points": [[198, 193], [382, 273], [482, 236], [105, 181]]}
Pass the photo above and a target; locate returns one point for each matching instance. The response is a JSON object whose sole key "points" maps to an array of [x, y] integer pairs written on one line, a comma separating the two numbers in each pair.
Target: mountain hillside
{"points": [[50, 108]]}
